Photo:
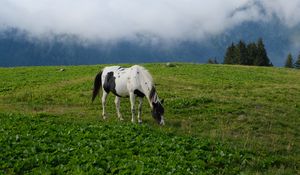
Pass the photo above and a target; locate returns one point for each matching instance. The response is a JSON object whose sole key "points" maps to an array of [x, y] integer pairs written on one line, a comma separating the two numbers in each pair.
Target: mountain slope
{"points": [[18, 49]]}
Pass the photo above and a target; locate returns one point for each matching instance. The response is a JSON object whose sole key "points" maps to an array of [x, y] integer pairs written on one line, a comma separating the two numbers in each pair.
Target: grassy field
{"points": [[219, 120]]}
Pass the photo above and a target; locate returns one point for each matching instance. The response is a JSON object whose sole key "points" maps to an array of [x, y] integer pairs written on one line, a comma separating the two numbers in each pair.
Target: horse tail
{"points": [[97, 85]]}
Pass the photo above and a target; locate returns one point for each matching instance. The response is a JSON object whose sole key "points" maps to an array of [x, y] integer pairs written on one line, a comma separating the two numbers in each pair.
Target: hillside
{"points": [[18, 48], [219, 120]]}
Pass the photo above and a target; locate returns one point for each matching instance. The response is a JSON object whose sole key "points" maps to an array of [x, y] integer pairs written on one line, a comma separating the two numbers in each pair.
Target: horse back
{"points": [[122, 81]]}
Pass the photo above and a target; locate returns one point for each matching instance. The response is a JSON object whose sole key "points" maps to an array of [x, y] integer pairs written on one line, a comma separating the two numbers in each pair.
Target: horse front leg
{"points": [[117, 102], [132, 103], [140, 110], [104, 96]]}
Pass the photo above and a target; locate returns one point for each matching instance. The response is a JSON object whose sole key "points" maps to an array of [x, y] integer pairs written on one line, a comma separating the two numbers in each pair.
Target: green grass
{"points": [[219, 120]]}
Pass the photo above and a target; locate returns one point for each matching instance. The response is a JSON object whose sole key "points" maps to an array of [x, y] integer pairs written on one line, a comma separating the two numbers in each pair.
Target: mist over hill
{"points": [[55, 32], [18, 48]]}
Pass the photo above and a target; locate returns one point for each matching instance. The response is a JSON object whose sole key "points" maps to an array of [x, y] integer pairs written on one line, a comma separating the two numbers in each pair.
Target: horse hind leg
{"points": [[117, 102], [132, 103], [104, 96], [140, 110]]}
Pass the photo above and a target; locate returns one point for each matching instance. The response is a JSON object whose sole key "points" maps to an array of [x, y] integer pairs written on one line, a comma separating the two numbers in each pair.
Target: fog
{"points": [[110, 20]]}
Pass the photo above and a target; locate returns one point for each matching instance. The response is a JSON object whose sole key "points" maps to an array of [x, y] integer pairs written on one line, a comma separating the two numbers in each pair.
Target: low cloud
{"points": [[110, 20]]}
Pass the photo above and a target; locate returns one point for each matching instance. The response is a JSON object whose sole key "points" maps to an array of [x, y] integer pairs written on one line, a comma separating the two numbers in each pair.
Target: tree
{"points": [[289, 61], [241, 55], [212, 61], [252, 53], [262, 58], [229, 57], [297, 63], [216, 61]]}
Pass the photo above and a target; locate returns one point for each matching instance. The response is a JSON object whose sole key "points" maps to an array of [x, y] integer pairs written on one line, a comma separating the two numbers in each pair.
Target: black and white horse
{"points": [[131, 82]]}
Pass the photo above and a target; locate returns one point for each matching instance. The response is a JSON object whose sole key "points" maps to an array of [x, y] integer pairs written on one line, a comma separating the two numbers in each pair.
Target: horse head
{"points": [[158, 112]]}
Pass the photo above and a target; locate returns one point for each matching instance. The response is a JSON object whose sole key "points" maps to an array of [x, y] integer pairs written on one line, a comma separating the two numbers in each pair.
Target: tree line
{"points": [[289, 63], [252, 54], [247, 54]]}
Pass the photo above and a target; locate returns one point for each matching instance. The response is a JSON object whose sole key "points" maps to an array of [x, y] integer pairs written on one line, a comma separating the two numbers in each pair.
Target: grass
{"points": [[219, 120]]}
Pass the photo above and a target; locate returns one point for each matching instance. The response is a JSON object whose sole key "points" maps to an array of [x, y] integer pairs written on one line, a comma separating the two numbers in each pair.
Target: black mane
{"points": [[152, 94]]}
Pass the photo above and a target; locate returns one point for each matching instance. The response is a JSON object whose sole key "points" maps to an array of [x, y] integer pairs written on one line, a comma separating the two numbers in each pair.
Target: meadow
{"points": [[220, 119]]}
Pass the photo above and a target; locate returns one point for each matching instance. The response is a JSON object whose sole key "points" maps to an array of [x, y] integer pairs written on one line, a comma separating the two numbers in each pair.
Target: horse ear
{"points": [[162, 101]]}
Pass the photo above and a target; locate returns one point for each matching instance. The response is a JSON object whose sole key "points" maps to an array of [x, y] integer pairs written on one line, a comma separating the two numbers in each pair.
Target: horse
{"points": [[130, 82]]}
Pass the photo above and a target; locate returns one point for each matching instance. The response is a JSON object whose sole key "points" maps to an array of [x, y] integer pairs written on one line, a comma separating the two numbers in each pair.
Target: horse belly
{"points": [[121, 87]]}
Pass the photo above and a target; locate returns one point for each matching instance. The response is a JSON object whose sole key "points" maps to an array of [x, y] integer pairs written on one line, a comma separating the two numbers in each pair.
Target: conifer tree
{"points": [[252, 53], [216, 61], [297, 63], [241, 55], [229, 57], [289, 61], [262, 58], [212, 61]]}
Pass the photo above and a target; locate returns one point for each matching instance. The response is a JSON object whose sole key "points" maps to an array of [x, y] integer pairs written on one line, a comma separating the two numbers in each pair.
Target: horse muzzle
{"points": [[162, 122]]}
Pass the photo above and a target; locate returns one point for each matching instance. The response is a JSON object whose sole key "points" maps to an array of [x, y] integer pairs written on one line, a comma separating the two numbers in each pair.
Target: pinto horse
{"points": [[131, 82]]}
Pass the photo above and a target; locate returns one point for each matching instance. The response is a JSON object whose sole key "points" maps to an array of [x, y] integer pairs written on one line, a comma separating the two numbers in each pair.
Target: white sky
{"points": [[109, 20]]}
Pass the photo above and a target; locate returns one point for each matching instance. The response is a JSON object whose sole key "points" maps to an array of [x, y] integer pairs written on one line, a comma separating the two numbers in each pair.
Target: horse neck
{"points": [[152, 97], [149, 88]]}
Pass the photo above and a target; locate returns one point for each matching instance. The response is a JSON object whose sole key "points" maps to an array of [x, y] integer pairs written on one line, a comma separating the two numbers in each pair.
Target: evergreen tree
{"points": [[212, 61], [241, 55], [262, 58], [216, 61], [289, 61], [229, 57], [252, 53], [297, 63]]}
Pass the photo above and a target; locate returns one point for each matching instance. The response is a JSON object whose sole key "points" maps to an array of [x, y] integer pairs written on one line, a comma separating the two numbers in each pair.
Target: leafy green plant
{"points": [[220, 119]]}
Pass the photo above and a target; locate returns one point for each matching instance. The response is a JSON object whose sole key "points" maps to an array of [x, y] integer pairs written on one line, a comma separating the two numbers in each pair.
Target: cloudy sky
{"points": [[109, 20]]}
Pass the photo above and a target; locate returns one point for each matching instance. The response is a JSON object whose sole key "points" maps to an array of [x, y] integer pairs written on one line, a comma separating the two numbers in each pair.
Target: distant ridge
{"points": [[17, 49]]}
